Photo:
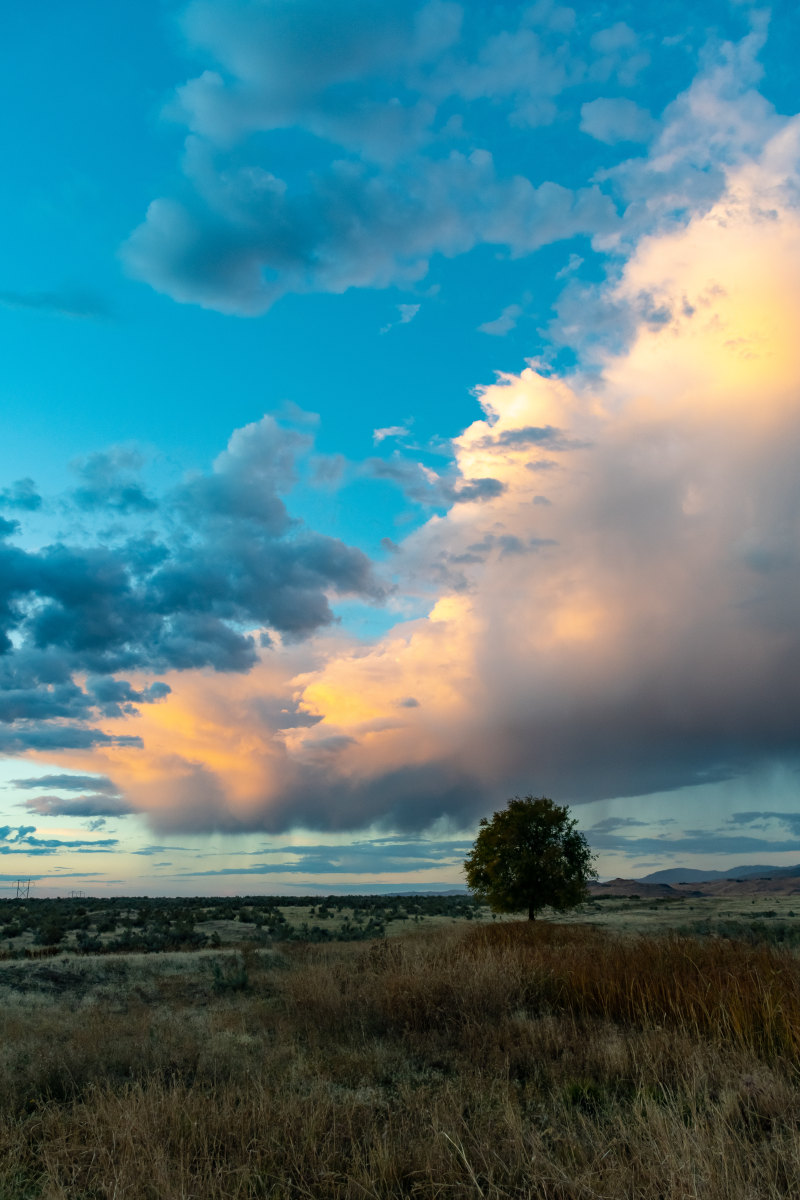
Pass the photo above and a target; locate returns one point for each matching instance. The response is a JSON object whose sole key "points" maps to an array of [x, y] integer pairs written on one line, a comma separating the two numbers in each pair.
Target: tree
{"points": [[530, 855]]}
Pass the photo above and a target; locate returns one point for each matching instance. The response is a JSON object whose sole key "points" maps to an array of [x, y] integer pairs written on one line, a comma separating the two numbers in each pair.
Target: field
{"points": [[458, 1057], [131, 924]]}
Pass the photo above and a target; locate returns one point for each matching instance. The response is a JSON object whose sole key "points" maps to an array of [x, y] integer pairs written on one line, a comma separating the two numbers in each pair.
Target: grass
{"points": [[557, 1061]]}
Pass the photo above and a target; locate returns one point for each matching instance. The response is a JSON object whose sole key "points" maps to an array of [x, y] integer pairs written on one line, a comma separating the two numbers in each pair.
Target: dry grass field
{"points": [[701, 914], [479, 1060]]}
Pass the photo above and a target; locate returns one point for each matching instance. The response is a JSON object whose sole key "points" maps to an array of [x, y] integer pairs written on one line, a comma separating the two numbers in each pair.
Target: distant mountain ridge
{"points": [[693, 875], [677, 882]]}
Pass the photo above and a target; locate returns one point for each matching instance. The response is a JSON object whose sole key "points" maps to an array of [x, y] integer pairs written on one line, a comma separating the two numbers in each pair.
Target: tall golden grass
{"points": [[507, 1060]]}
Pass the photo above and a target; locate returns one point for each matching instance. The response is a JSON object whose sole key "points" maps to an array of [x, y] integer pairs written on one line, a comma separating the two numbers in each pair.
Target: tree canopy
{"points": [[530, 856]]}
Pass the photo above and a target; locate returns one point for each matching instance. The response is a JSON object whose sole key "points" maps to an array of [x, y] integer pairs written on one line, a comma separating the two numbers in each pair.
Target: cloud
{"points": [[612, 824], [23, 840], [706, 843], [21, 495], [369, 858], [428, 487], [77, 783], [789, 819], [391, 185], [636, 634], [254, 243], [62, 304], [407, 313], [109, 482], [97, 805], [503, 324], [389, 431], [32, 735], [77, 621], [547, 437], [616, 120]]}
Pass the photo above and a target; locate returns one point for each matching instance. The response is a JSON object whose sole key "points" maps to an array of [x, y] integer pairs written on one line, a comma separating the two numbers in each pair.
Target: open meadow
{"points": [[462, 1057]]}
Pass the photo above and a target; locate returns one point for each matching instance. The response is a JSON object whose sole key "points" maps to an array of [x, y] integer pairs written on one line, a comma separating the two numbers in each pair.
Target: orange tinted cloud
{"points": [[621, 619]]}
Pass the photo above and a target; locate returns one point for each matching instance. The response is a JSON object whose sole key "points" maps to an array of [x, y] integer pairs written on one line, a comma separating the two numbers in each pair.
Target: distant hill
{"points": [[633, 887], [676, 882], [677, 875]]}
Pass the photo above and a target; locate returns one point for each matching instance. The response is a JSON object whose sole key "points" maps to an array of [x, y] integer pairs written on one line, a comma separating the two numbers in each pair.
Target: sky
{"points": [[400, 412]]}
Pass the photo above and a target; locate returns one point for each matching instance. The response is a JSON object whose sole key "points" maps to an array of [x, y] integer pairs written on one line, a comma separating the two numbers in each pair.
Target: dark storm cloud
{"points": [[314, 796], [366, 82], [176, 597]]}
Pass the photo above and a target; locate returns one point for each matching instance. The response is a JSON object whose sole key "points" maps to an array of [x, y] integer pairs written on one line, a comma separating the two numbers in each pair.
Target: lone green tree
{"points": [[530, 855]]}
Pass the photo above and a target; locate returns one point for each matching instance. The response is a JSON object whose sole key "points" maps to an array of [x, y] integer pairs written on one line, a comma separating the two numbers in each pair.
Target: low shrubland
{"points": [[146, 925], [514, 1059]]}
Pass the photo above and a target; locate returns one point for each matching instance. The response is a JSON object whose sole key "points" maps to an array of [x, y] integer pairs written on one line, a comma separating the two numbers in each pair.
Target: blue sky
{"points": [[399, 409]]}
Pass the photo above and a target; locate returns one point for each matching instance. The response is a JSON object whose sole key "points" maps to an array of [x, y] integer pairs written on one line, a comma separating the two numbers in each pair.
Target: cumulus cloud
{"points": [[255, 242], [636, 633], [605, 594], [77, 620], [110, 483], [368, 85]]}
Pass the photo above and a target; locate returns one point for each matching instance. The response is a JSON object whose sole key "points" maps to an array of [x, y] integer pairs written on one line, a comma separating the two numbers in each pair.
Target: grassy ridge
{"points": [[503, 1060]]}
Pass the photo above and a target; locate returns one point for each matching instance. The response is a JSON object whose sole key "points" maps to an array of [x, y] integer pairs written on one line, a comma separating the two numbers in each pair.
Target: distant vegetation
{"points": [[137, 924]]}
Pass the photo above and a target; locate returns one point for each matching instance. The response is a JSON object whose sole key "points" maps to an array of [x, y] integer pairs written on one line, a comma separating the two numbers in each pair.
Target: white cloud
{"points": [[407, 313], [616, 120], [503, 324], [389, 431]]}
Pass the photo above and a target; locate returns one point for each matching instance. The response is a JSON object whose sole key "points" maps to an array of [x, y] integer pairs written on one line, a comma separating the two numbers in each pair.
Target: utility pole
{"points": [[23, 889]]}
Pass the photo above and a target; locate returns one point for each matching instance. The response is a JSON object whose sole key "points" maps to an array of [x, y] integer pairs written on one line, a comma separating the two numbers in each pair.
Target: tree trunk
{"points": [[531, 913]]}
